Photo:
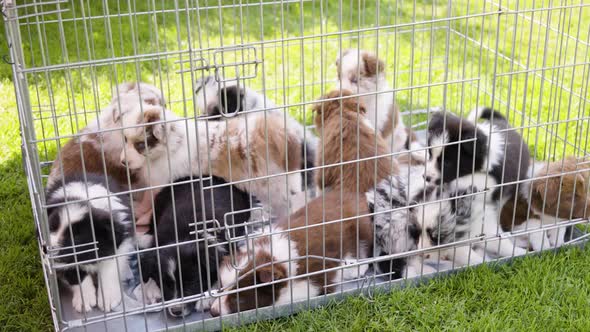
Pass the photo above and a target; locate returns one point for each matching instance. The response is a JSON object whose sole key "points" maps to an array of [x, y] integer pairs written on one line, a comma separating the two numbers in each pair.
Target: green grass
{"points": [[448, 70]]}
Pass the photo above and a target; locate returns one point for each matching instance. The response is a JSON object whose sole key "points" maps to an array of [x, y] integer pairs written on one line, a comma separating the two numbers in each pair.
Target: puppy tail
{"points": [[486, 113]]}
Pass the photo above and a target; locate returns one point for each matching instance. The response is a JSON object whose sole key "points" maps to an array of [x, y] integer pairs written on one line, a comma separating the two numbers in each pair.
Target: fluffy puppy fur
{"points": [[549, 201], [216, 98], [506, 161], [298, 248], [83, 231], [166, 148], [342, 142], [362, 72], [176, 210], [84, 153], [396, 226]]}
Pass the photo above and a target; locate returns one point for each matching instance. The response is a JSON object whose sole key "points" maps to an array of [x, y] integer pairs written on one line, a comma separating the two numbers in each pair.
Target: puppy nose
{"points": [[176, 311], [427, 256]]}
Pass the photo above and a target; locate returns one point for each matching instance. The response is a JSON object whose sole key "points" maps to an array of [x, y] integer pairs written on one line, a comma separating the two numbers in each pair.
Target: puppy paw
{"points": [[108, 297], [84, 296], [152, 292]]}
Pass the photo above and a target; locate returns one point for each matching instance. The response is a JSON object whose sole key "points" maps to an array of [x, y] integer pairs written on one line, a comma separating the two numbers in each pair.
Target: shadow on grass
{"points": [[24, 305]]}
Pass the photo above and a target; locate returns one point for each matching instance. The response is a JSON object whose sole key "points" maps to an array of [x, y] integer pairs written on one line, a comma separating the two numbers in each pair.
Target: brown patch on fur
{"points": [[563, 195], [373, 66], [284, 149], [333, 237], [268, 294], [72, 154], [343, 129], [521, 215], [573, 203], [151, 115]]}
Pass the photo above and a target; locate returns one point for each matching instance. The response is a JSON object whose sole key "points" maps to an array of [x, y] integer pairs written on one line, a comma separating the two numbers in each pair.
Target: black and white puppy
{"points": [[478, 153], [190, 268], [97, 224]]}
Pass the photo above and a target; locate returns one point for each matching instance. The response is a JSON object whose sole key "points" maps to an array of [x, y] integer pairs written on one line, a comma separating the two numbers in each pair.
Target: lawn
{"points": [[535, 74]]}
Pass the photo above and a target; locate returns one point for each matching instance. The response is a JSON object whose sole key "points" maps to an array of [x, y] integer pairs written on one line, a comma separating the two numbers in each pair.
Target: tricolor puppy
{"points": [[552, 197], [272, 261], [85, 153], [95, 225], [478, 154], [166, 148], [396, 226], [345, 136], [230, 98], [363, 73], [181, 217]]}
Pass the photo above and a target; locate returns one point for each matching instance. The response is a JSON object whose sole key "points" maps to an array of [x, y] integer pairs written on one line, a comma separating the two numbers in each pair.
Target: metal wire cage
{"points": [[525, 59]]}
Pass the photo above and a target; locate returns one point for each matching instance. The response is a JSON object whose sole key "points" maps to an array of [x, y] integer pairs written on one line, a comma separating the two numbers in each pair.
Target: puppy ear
{"points": [[373, 66], [267, 274], [581, 187], [116, 112], [159, 129], [546, 190]]}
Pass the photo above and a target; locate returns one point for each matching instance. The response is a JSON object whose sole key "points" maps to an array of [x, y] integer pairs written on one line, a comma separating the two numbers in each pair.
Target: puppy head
{"points": [[71, 225], [182, 275], [398, 230], [359, 70], [330, 109], [148, 141], [565, 196], [265, 272], [215, 98], [455, 159], [127, 95]]}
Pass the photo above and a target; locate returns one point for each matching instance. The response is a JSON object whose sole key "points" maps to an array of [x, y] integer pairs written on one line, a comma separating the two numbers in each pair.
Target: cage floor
{"points": [[156, 319]]}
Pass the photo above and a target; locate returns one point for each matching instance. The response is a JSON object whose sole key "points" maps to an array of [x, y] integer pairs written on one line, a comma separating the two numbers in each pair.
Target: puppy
{"points": [[230, 98], [363, 73], [552, 197], [502, 156], [396, 227], [347, 136], [95, 225], [296, 246], [180, 210], [85, 153], [256, 147]]}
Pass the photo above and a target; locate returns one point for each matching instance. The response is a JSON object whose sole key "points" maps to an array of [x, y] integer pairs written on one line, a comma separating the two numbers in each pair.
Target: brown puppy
{"points": [[554, 197], [296, 246], [347, 136]]}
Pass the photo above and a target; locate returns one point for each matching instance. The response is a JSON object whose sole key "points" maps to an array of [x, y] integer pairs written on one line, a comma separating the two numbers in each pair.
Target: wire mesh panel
{"points": [[199, 163]]}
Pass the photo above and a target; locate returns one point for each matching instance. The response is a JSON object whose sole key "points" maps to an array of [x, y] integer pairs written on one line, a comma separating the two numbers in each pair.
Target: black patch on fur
{"points": [[516, 150], [231, 100], [487, 112], [190, 260], [459, 158]]}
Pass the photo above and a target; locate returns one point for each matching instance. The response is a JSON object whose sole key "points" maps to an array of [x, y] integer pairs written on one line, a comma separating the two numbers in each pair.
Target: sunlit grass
{"points": [[460, 55]]}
